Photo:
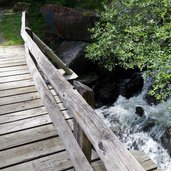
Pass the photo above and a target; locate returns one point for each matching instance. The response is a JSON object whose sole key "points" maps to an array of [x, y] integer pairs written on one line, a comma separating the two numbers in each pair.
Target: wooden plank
{"points": [[27, 136], [12, 58], [149, 165], [10, 73], [30, 152], [111, 151], [82, 139], [55, 162], [17, 91], [22, 115], [9, 56], [13, 64], [24, 124], [5, 62], [45, 49], [17, 84], [19, 98], [15, 78], [77, 156], [15, 68], [20, 106], [21, 90], [11, 51], [140, 156], [97, 166], [144, 160]]}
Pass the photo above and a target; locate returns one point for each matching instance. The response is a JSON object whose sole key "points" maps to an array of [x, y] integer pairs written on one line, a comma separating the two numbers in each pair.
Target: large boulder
{"points": [[67, 23], [106, 95], [139, 111], [132, 86], [72, 53]]}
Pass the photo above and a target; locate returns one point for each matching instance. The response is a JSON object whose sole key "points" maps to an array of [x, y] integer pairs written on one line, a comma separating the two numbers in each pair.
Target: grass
{"points": [[10, 25], [10, 29]]}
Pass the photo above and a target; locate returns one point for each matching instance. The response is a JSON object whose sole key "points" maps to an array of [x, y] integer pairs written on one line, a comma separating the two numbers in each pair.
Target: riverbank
{"points": [[10, 23]]}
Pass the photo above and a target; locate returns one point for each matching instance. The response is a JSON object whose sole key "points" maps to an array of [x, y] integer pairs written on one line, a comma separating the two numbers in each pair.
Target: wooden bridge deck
{"points": [[28, 139]]}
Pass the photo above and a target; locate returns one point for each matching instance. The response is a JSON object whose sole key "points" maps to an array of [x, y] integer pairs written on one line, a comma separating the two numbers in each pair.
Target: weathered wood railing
{"points": [[111, 151]]}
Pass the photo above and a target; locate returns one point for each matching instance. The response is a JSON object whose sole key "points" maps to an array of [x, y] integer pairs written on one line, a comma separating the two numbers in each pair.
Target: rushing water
{"points": [[129, 127]]}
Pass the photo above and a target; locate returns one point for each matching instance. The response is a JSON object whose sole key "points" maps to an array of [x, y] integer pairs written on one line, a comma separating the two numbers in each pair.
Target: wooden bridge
{"points": [[39, 109]]}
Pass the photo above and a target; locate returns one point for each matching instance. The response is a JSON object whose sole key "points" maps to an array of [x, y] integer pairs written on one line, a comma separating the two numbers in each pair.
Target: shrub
{"points": [[136, 33]]}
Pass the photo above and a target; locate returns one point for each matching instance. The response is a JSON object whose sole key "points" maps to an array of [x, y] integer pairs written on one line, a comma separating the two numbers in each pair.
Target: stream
{"points": [[140, 133]]}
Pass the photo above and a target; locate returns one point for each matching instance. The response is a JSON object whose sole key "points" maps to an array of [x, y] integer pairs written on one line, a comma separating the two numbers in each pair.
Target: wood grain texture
{"points": [[11, 73], [30, 151], [111, 151], [15, 78], [82, 139], [17, 91], [13, 68], [55, 162], [16, 84], [29, 113], [77, 157], [18, 98], [13, 64]]}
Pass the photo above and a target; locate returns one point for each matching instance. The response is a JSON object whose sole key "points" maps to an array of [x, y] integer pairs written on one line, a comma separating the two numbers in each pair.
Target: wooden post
{"points": [[29, 31], [82, 139]]}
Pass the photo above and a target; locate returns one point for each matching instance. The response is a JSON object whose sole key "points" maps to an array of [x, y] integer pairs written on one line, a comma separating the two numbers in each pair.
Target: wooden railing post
{"points": [[30, 33], [79, 134]]}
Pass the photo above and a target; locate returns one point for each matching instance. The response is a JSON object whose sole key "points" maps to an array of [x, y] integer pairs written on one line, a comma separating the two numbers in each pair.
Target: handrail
{"points": [[111, 151], [77, 156], [45, 49]]}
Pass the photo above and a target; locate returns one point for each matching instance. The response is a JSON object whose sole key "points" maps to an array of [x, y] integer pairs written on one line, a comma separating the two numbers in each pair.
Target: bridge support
{"points": [[80, 136]]}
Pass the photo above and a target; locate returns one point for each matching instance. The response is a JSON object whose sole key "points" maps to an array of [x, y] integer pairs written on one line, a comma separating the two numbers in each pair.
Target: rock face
{"points": [[67, 23], [166, 140], [71, 27], [132, 86], [139, 111], [107, 94], [72, 53]]}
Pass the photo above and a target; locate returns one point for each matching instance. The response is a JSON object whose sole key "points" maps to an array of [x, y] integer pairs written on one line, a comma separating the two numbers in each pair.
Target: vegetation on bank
{"points": [[130, 34], [10, 29], [133, 34]]}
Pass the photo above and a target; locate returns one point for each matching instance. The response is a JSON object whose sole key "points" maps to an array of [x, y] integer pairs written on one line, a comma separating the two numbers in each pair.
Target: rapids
{"points": [[135, 131]]}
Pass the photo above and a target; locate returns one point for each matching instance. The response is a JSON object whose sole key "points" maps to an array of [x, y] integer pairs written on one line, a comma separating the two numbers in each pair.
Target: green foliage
{"points": [[36, 21], [136, 33], [10, 29]]}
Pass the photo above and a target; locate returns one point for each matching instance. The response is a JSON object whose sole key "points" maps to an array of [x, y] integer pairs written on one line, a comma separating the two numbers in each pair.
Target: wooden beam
{"points": [[77, 156], [112, 152], [45, 49], [82, 139]]}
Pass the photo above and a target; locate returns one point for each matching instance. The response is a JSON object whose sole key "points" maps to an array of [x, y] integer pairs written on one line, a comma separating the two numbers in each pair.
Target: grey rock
{"points": [[68, 23]]}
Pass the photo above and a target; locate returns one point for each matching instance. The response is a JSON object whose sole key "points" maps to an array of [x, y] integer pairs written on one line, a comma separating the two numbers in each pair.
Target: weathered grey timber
{"points": [[112, 152], [77, 157], [28, 139], [79, 134]]}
